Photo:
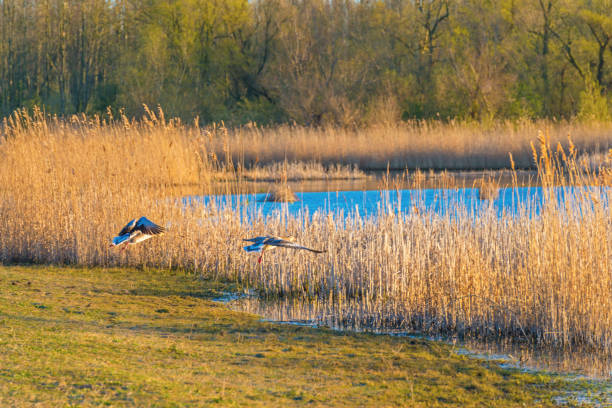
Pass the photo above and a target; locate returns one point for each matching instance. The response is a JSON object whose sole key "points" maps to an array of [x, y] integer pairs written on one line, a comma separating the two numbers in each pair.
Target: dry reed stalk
{"points": [[67, 186]]}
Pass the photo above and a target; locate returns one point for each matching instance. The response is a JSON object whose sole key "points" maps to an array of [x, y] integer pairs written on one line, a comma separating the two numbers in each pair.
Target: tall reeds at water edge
{"points": [[412, 145], [66, 187]]}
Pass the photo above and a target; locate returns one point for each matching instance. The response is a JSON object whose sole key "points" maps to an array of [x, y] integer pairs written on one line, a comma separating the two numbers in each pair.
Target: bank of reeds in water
{"points": [[281, 193], [66, 187], [488, 189]]}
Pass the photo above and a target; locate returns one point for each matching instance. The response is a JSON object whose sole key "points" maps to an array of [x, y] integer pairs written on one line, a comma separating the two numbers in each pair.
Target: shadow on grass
{"points": [[204, 293], [207, 324]]}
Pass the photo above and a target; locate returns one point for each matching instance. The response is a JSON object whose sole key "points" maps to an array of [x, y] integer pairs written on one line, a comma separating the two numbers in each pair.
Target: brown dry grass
{"points": [[412, 145], [68, 186]]}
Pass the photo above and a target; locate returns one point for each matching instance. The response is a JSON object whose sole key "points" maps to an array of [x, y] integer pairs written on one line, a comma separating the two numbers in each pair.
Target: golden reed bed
{"points": [[66, 187], [412, 145]]}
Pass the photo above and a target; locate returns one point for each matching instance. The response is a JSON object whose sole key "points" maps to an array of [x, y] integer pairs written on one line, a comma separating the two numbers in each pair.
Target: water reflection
{"points": [[359, 316]]}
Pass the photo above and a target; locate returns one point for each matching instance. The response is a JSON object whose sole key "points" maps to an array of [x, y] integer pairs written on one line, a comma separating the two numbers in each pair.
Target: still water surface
{"points": [[460, 201]]}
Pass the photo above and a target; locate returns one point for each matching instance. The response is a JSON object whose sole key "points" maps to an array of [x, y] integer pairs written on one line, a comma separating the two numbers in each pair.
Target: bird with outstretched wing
{"points": [[136, 231], [264, 243]]}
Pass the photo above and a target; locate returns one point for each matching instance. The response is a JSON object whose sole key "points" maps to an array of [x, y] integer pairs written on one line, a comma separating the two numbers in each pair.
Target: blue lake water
{"points": [[512, 201]]}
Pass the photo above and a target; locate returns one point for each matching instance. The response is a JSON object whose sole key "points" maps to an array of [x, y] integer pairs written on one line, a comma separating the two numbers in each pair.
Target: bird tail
{"points": [[316, 251]]}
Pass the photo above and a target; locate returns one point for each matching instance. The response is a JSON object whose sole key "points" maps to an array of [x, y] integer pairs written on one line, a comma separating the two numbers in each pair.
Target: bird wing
{"points": [[147, 226], [127, 229], [120, 239], [254, 248], [283, 243], [256, 240]]}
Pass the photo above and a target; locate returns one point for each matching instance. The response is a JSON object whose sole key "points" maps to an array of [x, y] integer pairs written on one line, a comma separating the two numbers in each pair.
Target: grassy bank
{"points": [[127, 337]]}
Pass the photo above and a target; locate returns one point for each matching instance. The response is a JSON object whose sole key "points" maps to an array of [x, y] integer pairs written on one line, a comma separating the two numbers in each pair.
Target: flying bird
{"points": [[136, 231], [261, 244]]}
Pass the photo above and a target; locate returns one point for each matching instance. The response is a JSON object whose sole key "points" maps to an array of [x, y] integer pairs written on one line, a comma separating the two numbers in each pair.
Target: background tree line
{"points": [[309, 61]]}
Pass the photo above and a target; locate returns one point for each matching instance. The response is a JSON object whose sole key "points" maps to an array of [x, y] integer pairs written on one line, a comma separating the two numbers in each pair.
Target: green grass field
{"points": [[127, 337]]}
